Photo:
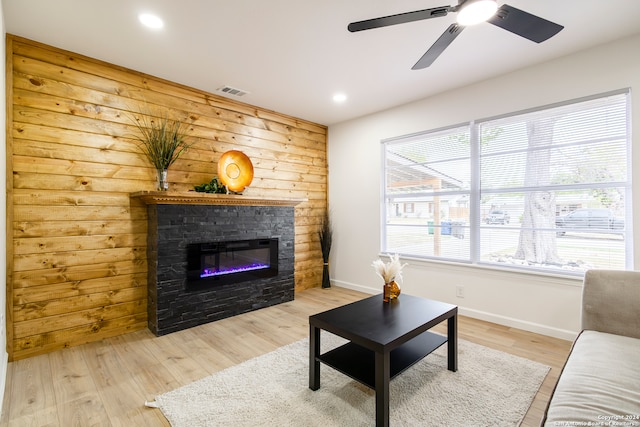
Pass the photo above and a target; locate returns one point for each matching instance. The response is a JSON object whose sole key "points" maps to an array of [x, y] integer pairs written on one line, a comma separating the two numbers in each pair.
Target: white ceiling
{"points": [[293, 55]]}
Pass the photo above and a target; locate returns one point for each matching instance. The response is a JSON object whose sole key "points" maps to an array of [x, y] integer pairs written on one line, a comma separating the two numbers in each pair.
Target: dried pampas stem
{"points": [[391, 270]]}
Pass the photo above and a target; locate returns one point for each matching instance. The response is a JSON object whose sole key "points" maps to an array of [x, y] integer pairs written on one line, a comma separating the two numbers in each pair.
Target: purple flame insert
{"points": [[207, 272]]}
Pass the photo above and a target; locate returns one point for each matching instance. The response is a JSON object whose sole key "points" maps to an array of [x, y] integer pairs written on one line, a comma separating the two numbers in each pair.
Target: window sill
{"points": [[573, 279]]}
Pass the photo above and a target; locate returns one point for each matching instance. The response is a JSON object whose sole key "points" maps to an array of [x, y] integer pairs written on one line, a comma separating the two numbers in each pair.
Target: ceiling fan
{"points": [[469, 12]]}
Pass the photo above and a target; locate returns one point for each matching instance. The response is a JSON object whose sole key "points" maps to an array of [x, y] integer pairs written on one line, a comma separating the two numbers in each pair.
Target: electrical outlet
{"points": [[460, 291]]}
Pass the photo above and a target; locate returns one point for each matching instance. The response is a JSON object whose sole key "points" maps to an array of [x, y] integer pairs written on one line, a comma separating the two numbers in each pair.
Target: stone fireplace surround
{"points": [[176, 220]]}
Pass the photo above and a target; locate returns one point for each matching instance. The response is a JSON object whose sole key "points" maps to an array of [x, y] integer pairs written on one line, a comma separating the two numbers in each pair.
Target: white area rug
{"points": [[490, 388]]}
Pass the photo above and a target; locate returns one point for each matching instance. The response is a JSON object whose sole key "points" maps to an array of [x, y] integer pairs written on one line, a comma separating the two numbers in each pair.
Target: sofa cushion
{"points": [[600, 379], [610, 302]]}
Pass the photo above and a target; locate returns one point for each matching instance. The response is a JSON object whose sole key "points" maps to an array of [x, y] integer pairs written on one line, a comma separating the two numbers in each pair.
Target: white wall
{"points": [[3, 217], [544, 304]]}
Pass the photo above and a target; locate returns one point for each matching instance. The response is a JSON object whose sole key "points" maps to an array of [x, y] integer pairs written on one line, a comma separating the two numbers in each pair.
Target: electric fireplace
{"points": [[201, 267], [218, 263]]}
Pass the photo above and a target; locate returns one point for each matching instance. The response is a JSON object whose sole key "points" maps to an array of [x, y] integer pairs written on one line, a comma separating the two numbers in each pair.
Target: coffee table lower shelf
{"points": [[359, 363]]}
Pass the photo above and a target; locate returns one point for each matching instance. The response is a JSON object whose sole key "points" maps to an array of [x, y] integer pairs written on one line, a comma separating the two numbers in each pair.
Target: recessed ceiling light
{"points": [[339, 97], [151, 21]]}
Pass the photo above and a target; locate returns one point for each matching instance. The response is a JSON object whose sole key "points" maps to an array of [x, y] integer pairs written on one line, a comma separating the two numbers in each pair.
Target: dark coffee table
{"points": [[385, 339]]}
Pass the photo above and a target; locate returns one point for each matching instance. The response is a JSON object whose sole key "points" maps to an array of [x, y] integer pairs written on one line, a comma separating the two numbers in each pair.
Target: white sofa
{"points": [[600, 382]]}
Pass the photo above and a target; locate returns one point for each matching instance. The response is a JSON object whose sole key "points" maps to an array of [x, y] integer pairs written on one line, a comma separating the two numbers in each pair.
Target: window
{"points": [[547, 189]]}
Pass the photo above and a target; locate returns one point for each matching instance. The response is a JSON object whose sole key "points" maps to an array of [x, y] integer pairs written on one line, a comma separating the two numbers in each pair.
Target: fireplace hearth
{"points": [[219, 239]]}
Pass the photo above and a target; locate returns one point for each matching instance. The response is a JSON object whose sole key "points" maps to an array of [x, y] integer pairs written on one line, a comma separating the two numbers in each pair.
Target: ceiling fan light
{"points": [[475, 11]]}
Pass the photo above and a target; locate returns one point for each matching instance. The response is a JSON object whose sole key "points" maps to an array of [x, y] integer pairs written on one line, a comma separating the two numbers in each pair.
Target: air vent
{"points": [[228, 90]]}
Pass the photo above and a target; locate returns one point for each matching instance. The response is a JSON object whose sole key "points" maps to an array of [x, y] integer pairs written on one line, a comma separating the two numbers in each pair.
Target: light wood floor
{"points": [[107, 383]]}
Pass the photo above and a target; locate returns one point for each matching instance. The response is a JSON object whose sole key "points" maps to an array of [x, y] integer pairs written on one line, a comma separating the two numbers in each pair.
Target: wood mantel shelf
{"points": [[195, 198]]}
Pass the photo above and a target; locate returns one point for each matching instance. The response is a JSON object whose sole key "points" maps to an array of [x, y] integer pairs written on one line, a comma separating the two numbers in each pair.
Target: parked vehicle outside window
{"points": [[589, 219], [498, 217]]}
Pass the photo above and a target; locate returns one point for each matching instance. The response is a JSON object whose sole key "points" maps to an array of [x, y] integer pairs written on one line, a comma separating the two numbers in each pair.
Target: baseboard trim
{"points": [[4, 365], [482, 315], [519, 324], [354, 287]]}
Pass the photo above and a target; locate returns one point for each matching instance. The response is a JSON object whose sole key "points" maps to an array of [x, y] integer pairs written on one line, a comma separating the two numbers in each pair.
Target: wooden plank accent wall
{"points": [[76, 251]]}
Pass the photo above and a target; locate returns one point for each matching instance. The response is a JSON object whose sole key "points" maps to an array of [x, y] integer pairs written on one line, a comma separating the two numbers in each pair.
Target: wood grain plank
{"points": [[35, 325], [76, 394], [77, 258], [81, 303], [71, 337], [31, 294], [74, 276], [32, 391]]}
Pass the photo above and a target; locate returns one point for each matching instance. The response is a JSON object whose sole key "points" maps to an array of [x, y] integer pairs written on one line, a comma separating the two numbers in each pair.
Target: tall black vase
{"points": [[325, 276]]}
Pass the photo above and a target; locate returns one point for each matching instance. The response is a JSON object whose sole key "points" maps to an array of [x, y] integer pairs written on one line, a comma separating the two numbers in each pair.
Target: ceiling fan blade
{"points": [[439, 46], [400, 18], [524, 24]]}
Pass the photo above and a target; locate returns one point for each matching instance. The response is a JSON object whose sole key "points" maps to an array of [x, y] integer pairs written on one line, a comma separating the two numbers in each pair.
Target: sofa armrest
{"points": [[611, 302]]}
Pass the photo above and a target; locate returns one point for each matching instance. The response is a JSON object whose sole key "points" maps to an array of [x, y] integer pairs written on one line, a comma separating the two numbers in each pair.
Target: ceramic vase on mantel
{"points": [[391, 291], [163, 184]]}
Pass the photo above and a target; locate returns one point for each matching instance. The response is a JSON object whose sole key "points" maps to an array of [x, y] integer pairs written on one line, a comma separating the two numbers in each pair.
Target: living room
{"points": [[544, 304]]}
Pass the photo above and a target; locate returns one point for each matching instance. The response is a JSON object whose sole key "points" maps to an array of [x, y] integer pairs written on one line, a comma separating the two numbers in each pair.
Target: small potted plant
{"points": [[214, 186], [162, 140]]}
